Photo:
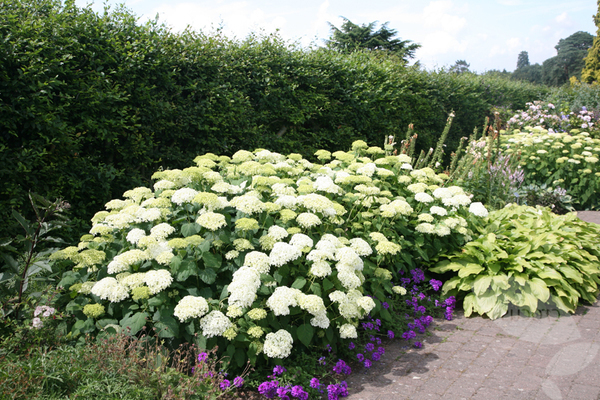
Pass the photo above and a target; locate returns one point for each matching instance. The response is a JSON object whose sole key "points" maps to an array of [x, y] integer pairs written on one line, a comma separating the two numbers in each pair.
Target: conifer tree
{"points": [[591, 71]]}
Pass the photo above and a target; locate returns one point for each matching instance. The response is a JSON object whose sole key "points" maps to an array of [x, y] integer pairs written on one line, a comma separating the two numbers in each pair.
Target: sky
{"points": [[487, 34]]}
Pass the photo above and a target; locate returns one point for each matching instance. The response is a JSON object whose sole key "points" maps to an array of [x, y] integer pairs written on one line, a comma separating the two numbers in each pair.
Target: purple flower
{"points": [[381, 350], [314, 383], [351, 346], [360, 357], [375, 356], [283, 391], [378, 341], [368, 363], [224, 385], [385, 305], [369, 347], [322, 361], [298, 392], [390, 334], [409, 335], [418, 345], [202, 357], [378, 322], [342, 368], [238, 381], [328, 348], [435, 284], [278, 370], [418, 275]]}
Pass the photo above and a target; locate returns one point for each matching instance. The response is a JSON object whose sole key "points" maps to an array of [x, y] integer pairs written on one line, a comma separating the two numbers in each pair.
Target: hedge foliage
{"points": [[91, 104]]}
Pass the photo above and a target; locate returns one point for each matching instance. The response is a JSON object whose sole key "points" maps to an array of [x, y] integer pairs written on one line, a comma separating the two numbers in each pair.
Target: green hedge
{"points": [[91, 104]]}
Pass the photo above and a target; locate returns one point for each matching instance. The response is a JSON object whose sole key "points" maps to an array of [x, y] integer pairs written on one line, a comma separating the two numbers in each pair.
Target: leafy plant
{"points": [[559, 159], [25, 258], [525, 256], [262, 254], [556, 199]]}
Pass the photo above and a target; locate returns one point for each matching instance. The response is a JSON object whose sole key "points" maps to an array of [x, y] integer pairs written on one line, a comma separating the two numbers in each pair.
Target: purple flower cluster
{"points": [[342, 368], [337, 390], [435, 284]]}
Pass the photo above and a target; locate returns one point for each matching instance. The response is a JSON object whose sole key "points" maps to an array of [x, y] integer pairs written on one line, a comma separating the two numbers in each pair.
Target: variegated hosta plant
{"points": [[526, 257], [262, 253]]}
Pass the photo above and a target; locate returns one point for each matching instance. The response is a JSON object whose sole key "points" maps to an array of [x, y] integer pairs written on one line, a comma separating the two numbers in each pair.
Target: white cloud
{"points": [[436, 15], [237, 18], [509, 2]]}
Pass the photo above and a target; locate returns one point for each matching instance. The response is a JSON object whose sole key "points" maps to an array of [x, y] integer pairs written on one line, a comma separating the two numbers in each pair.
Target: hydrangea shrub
{"points": [[263, 254], [568, 161]]}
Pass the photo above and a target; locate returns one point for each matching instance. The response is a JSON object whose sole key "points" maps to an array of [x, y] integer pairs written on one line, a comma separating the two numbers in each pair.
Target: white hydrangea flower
{"points": [[183, 195], [423, 197], [320, 269], [134, 280], [190, 307], [277, 232], [119, 221], [161, 231], [442, 230], [301, 241], [419, 187], [348, 331], [311, 303], [158, 280], [282, 299], [436, 210], [308, 220], [457, 200], [243, 287], [211, 221], [326, 184], [278, 344], [366, 303], [164, 184], [110, 289], [248, 204], [361, 247], [149, 214], [442, 193], [259, 261], [320, 320], [282, 253], [287, 201], [135, 235], [123, 261], [367, 169], [478, 209], [214, 323], [425, 227]]}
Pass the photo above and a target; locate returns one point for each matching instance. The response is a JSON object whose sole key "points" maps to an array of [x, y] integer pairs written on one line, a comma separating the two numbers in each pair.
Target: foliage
{"points": [[559, 159], [589, 73], [114, 366], [460, 67], [179, 257], [523, 60], [568, 62], [576, 97], [556, 198], [92, 104], [527, 257], [25, 257], [352, 37], [484, 172]]}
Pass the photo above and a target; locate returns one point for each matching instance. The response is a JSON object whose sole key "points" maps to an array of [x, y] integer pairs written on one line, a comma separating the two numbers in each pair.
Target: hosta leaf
{"points": [[499, 309], [468, 304], [481, 284], [521, 279], [563, 304], [450, 284], [470, 269], [529, 299], [500, 282], [485, 302], [570, 273], [550, 274], [447, 265], [539, 289]]}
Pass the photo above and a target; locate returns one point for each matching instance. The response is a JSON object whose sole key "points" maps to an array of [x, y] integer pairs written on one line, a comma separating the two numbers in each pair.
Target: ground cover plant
{"points": [[262, 254], [526, 257]]}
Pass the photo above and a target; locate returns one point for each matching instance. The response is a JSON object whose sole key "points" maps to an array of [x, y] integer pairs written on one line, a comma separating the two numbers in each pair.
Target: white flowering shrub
{"points": [[568, 161], [263, 254]]}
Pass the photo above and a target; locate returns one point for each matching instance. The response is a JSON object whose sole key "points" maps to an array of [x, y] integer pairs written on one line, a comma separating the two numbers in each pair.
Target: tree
{"points": [[523, 60], [569, 60], [460, 67], [530, 73], [352, 37], [591, 71]]}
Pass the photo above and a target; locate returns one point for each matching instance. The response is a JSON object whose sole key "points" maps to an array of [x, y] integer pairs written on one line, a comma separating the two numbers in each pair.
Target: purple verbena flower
{"points": [[385, 305], [283, 391], [278, 370], [351, 346], [418, 345], [360, 357], [435, 284], [238, 381], [390, 334], [368, 363], [314, 383], [225, 384], [369, 347], [299, 393], [202, 357]]}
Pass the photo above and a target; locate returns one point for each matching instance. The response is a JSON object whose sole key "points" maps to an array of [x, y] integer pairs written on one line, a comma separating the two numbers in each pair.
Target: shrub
{"points": [[260, 253], [559, 159], [525, 257]]}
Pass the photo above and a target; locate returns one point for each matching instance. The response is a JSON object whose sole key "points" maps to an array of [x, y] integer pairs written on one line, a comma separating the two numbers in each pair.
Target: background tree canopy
{"points": [[352, 37]]}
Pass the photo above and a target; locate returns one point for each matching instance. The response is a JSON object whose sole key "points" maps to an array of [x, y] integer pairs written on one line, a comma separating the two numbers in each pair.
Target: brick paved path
{"points": [[549, 356]]}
